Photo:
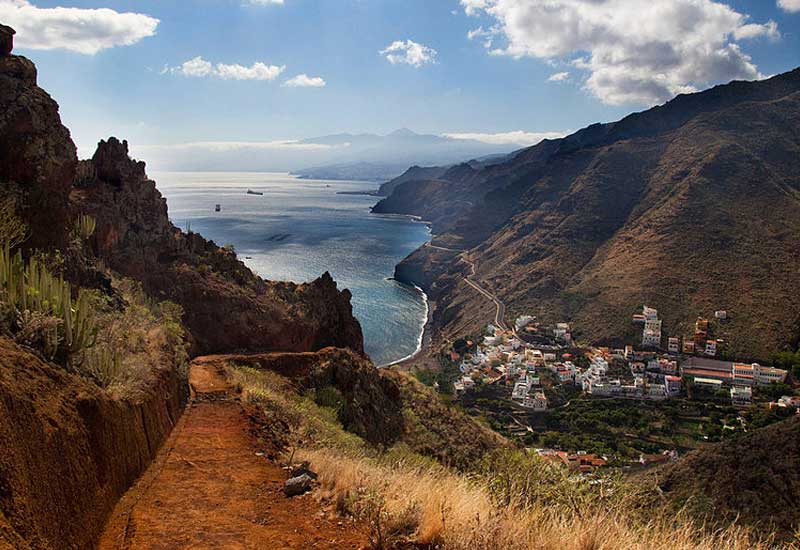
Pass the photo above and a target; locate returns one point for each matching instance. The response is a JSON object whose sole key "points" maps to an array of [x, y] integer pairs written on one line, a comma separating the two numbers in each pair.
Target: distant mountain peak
{"points": [[403, 132]]}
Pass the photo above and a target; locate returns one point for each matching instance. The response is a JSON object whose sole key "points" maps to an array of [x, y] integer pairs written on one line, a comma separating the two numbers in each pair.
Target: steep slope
{"points": [[70, 449], [744, 479], [690, 207]]}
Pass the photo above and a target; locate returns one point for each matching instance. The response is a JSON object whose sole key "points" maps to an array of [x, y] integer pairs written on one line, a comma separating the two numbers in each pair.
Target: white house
{"points": [[741, 395], [537, 402]]}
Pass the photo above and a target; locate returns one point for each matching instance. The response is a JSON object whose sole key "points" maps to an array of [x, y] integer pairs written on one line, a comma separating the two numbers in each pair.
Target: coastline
{"points": [[424, 336]]}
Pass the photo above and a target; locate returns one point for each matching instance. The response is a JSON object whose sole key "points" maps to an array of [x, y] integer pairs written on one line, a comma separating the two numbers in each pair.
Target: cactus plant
{"points": [[31, 287]]}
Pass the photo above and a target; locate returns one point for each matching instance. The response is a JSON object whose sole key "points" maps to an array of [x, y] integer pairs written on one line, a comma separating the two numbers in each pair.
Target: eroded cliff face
{"points": [[69, 450], [37, 156], [228, 308]]}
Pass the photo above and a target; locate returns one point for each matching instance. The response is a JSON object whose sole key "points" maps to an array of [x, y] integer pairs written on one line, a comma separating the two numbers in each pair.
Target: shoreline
{"points": [[424, 336]]}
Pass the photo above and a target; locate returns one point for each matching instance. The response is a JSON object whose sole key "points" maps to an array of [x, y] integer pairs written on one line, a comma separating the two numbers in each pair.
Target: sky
{"points": [[174, 74]]}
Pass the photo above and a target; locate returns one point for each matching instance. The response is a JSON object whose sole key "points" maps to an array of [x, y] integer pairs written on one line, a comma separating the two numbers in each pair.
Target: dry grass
{"points": [[511, 500], [459, 512]]}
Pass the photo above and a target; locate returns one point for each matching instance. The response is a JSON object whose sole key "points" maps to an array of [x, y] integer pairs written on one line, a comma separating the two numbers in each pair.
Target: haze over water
{"points": [[301, 228]]}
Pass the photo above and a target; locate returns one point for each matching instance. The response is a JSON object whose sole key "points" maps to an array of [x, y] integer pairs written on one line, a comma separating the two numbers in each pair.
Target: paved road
{"points": [[500, 307]]}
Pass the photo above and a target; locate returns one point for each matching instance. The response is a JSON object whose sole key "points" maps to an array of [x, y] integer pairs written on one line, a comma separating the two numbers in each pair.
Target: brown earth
{"points": [[208, 488], [69, 451]]}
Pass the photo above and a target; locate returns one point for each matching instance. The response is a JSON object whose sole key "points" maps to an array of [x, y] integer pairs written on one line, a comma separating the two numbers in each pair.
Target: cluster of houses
{"points": [[505, 357], [699, 343], [520, 356], [654, 379]]}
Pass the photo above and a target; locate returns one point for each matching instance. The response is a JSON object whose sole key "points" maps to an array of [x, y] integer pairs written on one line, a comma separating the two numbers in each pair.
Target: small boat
{"points": [[251, 192], [218, 208]]}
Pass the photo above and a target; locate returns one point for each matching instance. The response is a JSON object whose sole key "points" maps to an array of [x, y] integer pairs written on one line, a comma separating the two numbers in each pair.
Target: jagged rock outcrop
{"points": [[37, 156], [227, 307]]}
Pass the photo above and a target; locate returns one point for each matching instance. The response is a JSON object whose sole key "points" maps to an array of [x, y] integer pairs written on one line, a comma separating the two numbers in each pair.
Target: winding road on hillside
{"points": [[211, 488], [500, 307]]}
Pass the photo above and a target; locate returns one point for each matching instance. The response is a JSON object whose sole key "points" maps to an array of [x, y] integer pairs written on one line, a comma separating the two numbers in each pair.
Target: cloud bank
{"points": [[792, 6], [633, 51], [518, 137], [86, 31]]}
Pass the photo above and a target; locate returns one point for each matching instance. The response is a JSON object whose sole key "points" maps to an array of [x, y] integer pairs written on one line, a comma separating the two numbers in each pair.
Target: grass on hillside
{"points": [[510, 500]]}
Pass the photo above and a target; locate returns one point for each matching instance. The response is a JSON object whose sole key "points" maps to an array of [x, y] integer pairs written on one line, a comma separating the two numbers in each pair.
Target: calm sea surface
{"points": [[301, 228]]}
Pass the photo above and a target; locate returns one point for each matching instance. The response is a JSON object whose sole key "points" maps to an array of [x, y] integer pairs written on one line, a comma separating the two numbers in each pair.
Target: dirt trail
{"points": [[208, 489]]}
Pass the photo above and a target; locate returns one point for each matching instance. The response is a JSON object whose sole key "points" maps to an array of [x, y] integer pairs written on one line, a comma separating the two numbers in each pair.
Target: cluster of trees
{"points": [[788, 360]]}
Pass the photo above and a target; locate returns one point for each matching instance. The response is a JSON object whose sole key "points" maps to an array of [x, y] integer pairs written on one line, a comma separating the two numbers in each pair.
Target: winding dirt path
{"points": [[208, 489]]}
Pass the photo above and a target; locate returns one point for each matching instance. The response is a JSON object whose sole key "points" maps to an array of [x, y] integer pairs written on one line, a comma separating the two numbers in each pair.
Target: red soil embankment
{"points": [[70, 451], [211, 487]]}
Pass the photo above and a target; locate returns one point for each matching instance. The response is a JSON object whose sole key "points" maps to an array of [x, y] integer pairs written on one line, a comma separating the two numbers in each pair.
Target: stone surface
{"points": [[37, 156], [298, 485]]}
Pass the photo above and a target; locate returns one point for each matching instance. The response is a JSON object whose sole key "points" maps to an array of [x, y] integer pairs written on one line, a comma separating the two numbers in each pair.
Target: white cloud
{"points": [[558, 77], [509, 138], [85, 31], [305, 81], [633, 51], [265, 2], [409, 53], [789, 5], [199, 67]]}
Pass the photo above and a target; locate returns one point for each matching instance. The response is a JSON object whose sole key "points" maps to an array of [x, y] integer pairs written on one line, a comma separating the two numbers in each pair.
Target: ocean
{"points": [[298, 229]]}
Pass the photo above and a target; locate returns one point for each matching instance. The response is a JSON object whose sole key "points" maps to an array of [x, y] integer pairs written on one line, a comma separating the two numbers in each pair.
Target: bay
{"points": [[298, 229]]}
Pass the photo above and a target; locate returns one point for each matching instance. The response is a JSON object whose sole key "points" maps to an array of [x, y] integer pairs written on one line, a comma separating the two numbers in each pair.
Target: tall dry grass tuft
{"points": [[464, 513]]}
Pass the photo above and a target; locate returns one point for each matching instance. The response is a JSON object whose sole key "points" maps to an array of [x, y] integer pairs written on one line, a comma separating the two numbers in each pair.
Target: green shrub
{"points": [[30, 289], [13, 230]]}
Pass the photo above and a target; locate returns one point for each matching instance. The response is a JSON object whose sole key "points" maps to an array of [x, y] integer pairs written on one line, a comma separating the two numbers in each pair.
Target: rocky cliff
{"points": [[37, 155], [689, 207], [227, 306]]}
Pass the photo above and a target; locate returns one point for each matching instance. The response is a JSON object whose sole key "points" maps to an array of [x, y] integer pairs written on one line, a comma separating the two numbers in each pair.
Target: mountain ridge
{"points": [[652, 208]]}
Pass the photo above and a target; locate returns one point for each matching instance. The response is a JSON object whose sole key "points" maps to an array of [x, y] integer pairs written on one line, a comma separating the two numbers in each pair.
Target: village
{"points": [[532, 360]]}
